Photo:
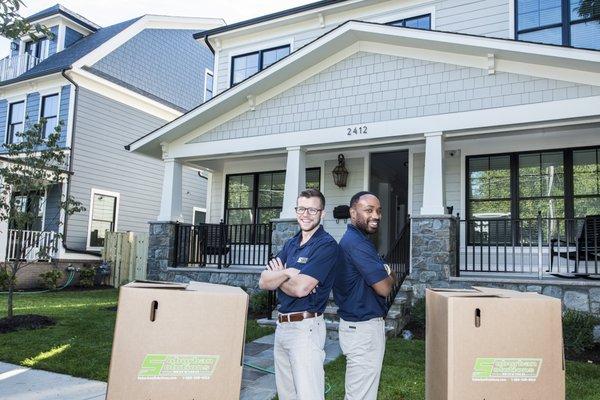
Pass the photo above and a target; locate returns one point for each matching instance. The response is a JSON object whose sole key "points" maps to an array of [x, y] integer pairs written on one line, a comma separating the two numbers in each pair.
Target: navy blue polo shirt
{"points": [[363, 267], [319, 258]]}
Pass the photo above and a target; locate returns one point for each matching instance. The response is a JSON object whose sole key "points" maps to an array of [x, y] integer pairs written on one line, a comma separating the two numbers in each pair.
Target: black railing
{"points": [[222, 245], [564, 247], [398, 258]]}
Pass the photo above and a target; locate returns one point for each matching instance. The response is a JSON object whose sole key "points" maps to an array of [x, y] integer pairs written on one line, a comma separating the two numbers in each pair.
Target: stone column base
{"points": [[283, 229], [161, 249]]}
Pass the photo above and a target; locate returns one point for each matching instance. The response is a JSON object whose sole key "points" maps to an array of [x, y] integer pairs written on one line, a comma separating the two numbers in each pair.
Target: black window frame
{"points": [[255, 209], [402, 22], [565, 24], [260, 61], [568, 194], [43, 109], [9, 125]]}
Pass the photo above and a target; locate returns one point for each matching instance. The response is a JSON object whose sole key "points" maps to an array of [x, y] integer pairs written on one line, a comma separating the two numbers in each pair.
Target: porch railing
{"points": [[564, 247], [31, 245], [222, 245], [398, 258], [12, 67]]}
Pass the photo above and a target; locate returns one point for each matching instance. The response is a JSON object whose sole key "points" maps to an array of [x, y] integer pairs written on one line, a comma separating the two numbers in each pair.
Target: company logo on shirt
{"points": [[302, 260]]}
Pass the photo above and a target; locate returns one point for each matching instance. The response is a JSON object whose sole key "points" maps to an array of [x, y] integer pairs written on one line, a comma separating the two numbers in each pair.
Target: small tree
{"points": [[589, 9], [33, 164]]}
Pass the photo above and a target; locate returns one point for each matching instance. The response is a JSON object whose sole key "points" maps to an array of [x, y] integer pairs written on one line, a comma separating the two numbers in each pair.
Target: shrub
{"points": [[259, 303], [578, 331], [417, 313], [50, 278], [4, 278], [86, 277]]}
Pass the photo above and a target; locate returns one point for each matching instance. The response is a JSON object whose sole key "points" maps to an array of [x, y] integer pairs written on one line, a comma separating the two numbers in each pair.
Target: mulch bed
{"points": [[24, 322]]}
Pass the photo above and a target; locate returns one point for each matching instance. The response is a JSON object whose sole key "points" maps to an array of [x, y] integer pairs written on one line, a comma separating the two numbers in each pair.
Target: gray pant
{"points": [[363, 344], [299, 358]]}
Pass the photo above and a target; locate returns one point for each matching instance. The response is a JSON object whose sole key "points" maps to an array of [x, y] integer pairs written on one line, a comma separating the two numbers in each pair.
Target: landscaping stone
{"points": [[578, 301], [553, 291], [534, 288]]}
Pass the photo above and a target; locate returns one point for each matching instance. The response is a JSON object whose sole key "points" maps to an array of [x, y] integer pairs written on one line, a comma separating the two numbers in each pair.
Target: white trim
{"points": [[367, 170], [71, 115], [409, 200], [119, 93], [511, 20], [208, 72], [146, 22], [60, 37], [209, 183], [93, 192], [580, 65], [44, 212], [199, 209]]}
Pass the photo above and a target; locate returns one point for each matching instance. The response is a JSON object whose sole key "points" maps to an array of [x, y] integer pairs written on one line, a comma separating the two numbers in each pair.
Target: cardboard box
{"points": [[175, 341], [493, 344]]}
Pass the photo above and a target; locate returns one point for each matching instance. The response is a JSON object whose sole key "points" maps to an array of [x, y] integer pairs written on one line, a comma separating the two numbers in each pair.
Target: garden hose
{"points": [[256, 367], [69, 280]]}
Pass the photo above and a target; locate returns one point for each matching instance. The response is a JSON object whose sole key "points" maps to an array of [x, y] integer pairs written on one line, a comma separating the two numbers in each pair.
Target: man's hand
{"points": [[275, 264], [291, 272]]}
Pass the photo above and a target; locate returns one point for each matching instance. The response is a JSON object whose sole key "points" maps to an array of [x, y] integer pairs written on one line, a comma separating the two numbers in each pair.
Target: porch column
{"points": [[170, 204], [433, 180], [295, 180]]}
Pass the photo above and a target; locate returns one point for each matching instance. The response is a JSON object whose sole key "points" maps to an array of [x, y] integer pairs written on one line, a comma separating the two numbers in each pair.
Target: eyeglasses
{"points": [[311, 210]]}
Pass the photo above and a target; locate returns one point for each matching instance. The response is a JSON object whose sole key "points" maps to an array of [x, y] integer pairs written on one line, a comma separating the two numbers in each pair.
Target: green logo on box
{"points": [[177, 366], [504, 369]]}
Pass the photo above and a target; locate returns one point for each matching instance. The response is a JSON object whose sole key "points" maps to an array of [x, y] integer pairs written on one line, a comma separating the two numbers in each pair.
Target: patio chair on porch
{"points": [[585, 248]]}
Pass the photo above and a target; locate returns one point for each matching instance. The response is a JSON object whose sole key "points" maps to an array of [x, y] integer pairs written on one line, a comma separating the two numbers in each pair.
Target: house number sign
{"points": [[356, 130]]}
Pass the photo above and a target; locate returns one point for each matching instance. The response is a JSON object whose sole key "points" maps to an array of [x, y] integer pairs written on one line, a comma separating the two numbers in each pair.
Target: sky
{"points": [[108, 12]]}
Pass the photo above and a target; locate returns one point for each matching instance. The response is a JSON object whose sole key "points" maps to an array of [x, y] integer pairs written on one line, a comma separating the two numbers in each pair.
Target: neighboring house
{"points": [[108, 86], [433, 104]]}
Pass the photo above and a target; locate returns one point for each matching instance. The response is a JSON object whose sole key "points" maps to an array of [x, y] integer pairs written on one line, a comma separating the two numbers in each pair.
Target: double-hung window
{"points": [[562, 22], [419, 22], [16, 122], [49, 114], [246, 65], [103, 216]]}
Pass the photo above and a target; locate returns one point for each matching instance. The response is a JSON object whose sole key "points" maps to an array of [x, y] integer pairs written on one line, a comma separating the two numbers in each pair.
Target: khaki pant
{"points": [[299, 357], [363, 344]]}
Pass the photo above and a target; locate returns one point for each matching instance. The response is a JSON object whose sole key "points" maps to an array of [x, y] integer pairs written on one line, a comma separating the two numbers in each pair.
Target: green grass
{"points": [[403, 375], [80, 343]]}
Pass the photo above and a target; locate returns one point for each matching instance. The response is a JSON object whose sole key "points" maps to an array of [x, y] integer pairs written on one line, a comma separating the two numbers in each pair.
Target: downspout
{"points": [[71, 158]]}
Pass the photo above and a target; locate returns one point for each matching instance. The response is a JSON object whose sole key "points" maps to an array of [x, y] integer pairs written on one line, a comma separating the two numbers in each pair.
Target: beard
{"points": [[363, 225]]}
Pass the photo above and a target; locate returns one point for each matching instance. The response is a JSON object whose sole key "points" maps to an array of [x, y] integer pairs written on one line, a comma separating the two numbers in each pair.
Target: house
{"points": [[107, 86], [476, 123]]}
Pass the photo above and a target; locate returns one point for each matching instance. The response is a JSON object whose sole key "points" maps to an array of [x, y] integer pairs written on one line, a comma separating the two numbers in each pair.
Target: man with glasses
{"points": [[303, 274], [360, 292]]}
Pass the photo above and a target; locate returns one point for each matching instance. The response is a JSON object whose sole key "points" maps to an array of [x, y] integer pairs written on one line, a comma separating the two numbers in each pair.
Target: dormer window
{"points": [[38, 48], [419, 22], [246, 65]]}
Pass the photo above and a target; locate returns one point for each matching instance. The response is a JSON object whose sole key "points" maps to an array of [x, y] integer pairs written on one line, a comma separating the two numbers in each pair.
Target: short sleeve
{"points": [[323, 260], [368, 263]]}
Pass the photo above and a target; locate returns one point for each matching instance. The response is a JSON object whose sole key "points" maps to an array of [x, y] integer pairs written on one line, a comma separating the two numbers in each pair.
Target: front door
{"points": [[389, 181]]}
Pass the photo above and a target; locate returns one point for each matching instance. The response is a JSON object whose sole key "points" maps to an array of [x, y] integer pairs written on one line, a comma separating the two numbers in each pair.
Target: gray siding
{"points": [[476, 17], [368, 87], [166, 63], [103, 127]]}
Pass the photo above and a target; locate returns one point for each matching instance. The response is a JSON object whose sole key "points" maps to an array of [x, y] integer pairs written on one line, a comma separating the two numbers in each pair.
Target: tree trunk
{"points": [[11, 289]]}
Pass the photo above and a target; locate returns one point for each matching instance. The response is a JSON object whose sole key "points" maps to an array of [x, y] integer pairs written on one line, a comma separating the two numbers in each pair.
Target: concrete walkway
{"points": [[18, 383]]}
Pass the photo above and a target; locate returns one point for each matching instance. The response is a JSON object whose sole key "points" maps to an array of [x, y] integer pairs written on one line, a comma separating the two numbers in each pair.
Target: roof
{"points": [[59, 9], [268, 17], [585, 62], [65, 58]]}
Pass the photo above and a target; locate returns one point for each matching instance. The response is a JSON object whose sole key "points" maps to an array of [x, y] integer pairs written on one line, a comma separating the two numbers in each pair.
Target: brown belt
{"points": [[298, 316]]}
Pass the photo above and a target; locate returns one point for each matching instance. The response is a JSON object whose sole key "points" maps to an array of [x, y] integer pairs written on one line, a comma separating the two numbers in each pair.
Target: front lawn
{"points": [[403, 375], [80, 343]]}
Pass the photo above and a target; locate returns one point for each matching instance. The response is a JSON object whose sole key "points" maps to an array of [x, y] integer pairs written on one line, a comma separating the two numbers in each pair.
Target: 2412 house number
{"points": [[356, 130]]}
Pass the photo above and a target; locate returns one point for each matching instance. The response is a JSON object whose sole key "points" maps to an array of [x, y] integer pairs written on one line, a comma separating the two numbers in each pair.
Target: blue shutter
{"points": [[32, 109], [63, 114], [3, 117]]}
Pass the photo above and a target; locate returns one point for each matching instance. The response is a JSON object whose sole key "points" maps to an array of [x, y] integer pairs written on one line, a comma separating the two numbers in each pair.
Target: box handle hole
{"points": [[153, 308], [477, 317]]}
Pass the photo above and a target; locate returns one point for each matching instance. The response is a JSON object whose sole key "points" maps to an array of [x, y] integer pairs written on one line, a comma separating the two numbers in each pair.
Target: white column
{"points": [[170, 204], [433, 181], [295, 180]]}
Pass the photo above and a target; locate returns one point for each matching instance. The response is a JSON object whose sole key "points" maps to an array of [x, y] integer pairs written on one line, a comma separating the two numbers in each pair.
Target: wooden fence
{"points": [[127, 254]]}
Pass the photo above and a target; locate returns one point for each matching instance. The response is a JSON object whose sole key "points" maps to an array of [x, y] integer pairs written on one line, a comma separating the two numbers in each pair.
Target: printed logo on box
{"points": [[177, 366], [505, 369]]}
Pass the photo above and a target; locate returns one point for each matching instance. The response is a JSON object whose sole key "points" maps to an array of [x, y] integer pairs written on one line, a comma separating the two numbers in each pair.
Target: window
{"points": [[208, 85], [257, 198], [561, 22], [586, 182], [103, 216], [199, 216], [420, 22], [541, 185], [49, 113], [246, 65], [489, 190], [38, 49], [32, 203], [16, 119]]}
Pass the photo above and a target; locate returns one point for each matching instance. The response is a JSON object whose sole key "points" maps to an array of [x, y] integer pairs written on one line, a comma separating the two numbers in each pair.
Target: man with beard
{"points": [[360, 291], [303, 274]]}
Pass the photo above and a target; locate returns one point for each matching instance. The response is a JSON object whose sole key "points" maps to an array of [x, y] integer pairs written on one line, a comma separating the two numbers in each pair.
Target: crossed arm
{"points": [[289, 280]]}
